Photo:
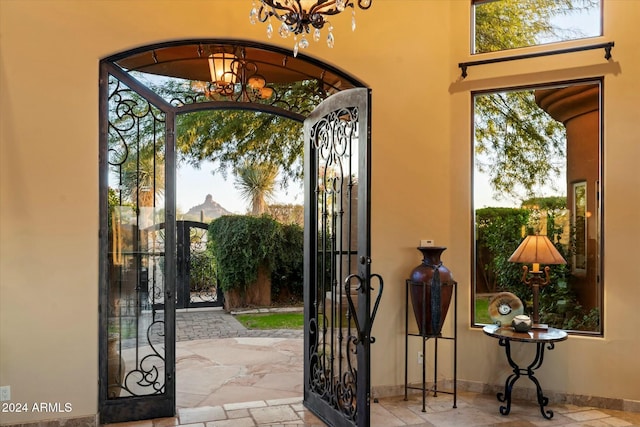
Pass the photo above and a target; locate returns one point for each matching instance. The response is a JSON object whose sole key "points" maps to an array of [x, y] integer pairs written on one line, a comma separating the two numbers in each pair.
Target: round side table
{"points": [[541, 338]]}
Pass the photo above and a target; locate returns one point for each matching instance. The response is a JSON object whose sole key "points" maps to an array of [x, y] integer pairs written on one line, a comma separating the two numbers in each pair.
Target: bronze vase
{"points": [[431, 286]]}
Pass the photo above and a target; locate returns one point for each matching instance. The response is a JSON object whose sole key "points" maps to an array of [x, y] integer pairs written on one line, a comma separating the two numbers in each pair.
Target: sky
{"points": [[193, 185]]}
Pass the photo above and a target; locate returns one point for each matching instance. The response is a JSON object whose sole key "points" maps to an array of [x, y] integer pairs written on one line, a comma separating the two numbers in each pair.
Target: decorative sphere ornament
{"points": [[521, 323]]}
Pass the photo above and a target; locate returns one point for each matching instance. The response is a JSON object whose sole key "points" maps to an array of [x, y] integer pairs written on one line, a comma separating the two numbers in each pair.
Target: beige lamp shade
{"points": [[537, 249]]}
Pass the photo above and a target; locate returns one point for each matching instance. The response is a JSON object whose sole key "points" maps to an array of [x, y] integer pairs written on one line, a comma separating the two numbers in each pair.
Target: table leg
{"points": [[529, 371]]}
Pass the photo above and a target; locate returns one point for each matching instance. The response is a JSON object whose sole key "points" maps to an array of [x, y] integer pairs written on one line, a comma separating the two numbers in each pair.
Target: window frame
{"points": [[597, 195]]}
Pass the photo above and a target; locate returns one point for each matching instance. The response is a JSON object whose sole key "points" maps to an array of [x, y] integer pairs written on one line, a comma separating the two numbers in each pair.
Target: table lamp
{"points": [[536, 250]]}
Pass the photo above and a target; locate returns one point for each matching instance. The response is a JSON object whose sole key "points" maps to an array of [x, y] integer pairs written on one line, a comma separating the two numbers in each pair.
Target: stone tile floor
{"points": [[229, 376], [473, 410]]}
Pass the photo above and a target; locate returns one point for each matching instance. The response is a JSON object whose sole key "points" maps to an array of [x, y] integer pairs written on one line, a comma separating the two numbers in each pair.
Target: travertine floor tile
{"points": [[202, 414], [274, 414], [592, 414]]}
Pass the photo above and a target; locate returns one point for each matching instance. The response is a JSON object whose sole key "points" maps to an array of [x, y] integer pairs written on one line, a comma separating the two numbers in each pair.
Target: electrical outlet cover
{"points": [[5, 393]]}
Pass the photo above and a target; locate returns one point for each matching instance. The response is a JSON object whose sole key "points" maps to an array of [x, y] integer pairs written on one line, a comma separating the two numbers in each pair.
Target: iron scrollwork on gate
{"points": [[135, 341], [337, 329]]}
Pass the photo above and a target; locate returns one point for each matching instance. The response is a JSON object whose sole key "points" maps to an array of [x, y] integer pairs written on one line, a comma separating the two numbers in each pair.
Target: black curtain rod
{"points": [[606, 46]]}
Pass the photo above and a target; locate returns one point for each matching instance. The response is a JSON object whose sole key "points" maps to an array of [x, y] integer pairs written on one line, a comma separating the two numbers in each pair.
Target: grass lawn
{"points": [[296, 320], [272, 320], [482, 311]]}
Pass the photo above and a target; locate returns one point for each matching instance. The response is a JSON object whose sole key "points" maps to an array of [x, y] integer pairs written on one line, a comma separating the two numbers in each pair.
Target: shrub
{"points": [[498, 234], [241, 244], [288, 273]]}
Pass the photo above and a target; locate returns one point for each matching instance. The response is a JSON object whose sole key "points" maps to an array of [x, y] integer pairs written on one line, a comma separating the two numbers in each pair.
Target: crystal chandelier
{"points": [[298, 16]]}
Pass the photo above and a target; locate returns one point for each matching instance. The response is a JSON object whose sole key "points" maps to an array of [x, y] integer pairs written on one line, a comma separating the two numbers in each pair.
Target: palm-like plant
{"points": [[143, 177], [256, 183]]}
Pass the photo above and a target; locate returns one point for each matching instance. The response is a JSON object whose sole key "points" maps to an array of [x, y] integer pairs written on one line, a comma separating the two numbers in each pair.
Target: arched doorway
{"points": [[139, 121]]}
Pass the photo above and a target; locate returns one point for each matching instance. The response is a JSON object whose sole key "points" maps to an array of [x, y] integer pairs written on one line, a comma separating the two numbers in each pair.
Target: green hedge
{"points": [[240, 244], [288, 273], [498, 234]]}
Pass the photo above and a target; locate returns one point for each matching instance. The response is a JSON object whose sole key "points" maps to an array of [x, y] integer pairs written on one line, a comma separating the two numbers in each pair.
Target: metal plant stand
{"points": [[425, 337]]}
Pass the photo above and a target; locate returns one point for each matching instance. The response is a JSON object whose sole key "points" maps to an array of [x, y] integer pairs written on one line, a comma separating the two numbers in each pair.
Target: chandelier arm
{"points": [[327, 8], [270, 8], [264, 14], [277, 5]]}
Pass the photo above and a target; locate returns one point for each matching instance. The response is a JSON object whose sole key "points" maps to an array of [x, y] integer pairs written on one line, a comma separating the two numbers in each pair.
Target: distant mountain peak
{"points": [[206, 211]]}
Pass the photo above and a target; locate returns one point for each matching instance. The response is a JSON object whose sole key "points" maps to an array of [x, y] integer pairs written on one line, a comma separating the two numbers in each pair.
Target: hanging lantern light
{"points": [[224, 72]]}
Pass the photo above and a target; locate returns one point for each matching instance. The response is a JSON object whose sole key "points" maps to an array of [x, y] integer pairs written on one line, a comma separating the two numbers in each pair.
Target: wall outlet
{"points": [[420, 358], [426, 242], [5, 393]]}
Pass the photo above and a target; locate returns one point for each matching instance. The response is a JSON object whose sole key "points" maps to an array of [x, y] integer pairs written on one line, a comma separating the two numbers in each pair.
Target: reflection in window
{"points": [[537, 169], [580, 224], [509, 24]]}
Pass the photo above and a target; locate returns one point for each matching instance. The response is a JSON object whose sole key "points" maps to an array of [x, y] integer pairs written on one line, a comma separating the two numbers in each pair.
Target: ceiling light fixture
{"points": [[233, 76], [223, 67], [299, 16]]}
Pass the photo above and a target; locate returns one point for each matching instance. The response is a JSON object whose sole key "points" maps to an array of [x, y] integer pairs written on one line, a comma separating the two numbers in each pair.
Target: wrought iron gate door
{"points": [[137, 252], [338, 284], [197, 284]]}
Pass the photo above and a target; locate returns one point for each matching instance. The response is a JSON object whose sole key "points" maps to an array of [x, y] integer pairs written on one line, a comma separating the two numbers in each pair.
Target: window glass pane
{"points": [[509, 24], [537, 171], [136, 253]]}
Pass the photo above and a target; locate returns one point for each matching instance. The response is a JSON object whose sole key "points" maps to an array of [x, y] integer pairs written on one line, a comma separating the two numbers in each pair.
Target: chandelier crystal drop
{"points": [[302, 17], [330, 39], [269, 30]]}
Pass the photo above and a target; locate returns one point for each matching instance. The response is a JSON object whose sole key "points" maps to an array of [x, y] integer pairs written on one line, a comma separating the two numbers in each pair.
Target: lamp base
{"points": [[540, 326]]}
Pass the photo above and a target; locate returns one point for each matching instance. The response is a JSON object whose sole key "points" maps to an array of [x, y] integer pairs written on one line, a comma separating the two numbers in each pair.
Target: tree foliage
{"points": [[143, 176], [508, 24], [287, 213], [517, 144], [231, 136]]}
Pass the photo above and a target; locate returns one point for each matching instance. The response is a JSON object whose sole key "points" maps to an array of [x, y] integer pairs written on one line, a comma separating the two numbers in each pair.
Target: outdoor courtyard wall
{"points": [[407, 52]]}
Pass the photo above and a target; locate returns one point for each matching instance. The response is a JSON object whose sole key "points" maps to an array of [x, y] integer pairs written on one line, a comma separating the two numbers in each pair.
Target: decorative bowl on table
{"points": [[521, 323]]}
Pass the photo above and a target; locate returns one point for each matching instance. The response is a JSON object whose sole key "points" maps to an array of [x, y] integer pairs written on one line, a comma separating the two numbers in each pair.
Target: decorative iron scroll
{"points": [[299, 97], [333, 335], [202, 275], [147, 376], [135, 155]]}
